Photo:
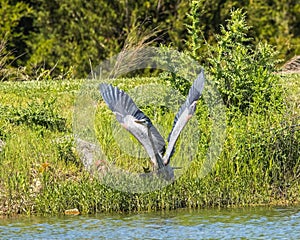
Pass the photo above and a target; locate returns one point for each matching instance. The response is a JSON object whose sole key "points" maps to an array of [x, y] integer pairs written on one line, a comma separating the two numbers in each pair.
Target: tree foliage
{"points": [[12, 25], [68, 34]]}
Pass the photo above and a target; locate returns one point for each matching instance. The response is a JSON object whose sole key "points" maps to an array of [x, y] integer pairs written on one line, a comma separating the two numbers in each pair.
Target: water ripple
{"points": [[258, 223]]}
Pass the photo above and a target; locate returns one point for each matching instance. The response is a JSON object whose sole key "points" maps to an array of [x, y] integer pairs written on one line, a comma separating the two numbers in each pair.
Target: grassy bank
{"points": [[41, 173]]}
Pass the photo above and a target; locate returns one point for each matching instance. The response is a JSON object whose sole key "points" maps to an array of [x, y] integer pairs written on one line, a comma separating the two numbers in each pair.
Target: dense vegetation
{"points": [[64, 36], [41, 172]]}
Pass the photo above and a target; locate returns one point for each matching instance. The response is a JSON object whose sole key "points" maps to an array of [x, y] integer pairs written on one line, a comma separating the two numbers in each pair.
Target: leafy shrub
{"points": [[178, 65], [244, 73], [36, 114], [66, 150], [195, 40]]}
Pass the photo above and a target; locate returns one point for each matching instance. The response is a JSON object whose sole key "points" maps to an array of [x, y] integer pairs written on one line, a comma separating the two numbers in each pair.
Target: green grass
{"points": [[41, 173]]}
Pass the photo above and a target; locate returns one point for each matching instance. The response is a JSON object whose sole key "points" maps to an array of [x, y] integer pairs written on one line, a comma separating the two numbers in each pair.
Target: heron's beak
{"points": [[140, 121]]}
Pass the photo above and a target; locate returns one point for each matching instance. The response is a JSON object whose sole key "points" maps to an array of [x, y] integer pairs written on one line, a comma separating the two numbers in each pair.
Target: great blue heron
{"points": [[140, 126]]}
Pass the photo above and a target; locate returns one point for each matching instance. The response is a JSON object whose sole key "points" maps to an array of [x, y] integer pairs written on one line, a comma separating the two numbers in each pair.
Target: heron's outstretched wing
{"points": [[185, 112], [127, 113]]}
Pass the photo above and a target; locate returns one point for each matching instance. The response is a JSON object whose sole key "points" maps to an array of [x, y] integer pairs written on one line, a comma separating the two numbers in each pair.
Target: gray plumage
{"points": [[140, 126]]}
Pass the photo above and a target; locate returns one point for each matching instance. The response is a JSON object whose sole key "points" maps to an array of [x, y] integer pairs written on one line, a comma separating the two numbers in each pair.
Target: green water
{"points": [[242, 223]]}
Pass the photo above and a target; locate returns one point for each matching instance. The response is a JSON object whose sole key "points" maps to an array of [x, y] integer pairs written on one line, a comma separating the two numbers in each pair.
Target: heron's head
{"points": [[143, 122]]}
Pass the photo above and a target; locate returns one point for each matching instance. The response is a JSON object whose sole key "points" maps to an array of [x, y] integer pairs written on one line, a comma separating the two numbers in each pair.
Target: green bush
{"points": [[66, 150], [244, 73], [36, 114]]}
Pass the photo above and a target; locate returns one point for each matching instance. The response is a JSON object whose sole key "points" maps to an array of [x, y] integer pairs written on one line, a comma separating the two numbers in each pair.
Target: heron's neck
{"points": [[158, 157]]}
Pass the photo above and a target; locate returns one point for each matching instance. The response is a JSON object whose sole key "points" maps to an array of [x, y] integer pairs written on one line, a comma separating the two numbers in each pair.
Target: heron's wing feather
{"points": [[126, 112], [119, 102], [185, 112]]}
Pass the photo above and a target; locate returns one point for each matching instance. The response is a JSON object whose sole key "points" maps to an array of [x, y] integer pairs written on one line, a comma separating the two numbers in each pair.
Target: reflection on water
{"points": [[258, 223]]}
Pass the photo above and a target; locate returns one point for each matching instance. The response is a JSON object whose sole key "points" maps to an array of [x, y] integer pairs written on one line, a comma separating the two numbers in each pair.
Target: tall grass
{"points": [[41, 173]]}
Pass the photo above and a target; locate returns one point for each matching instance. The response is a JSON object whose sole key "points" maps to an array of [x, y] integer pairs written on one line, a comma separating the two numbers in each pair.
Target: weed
{"points": [[244, 74], [36, 114]]}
